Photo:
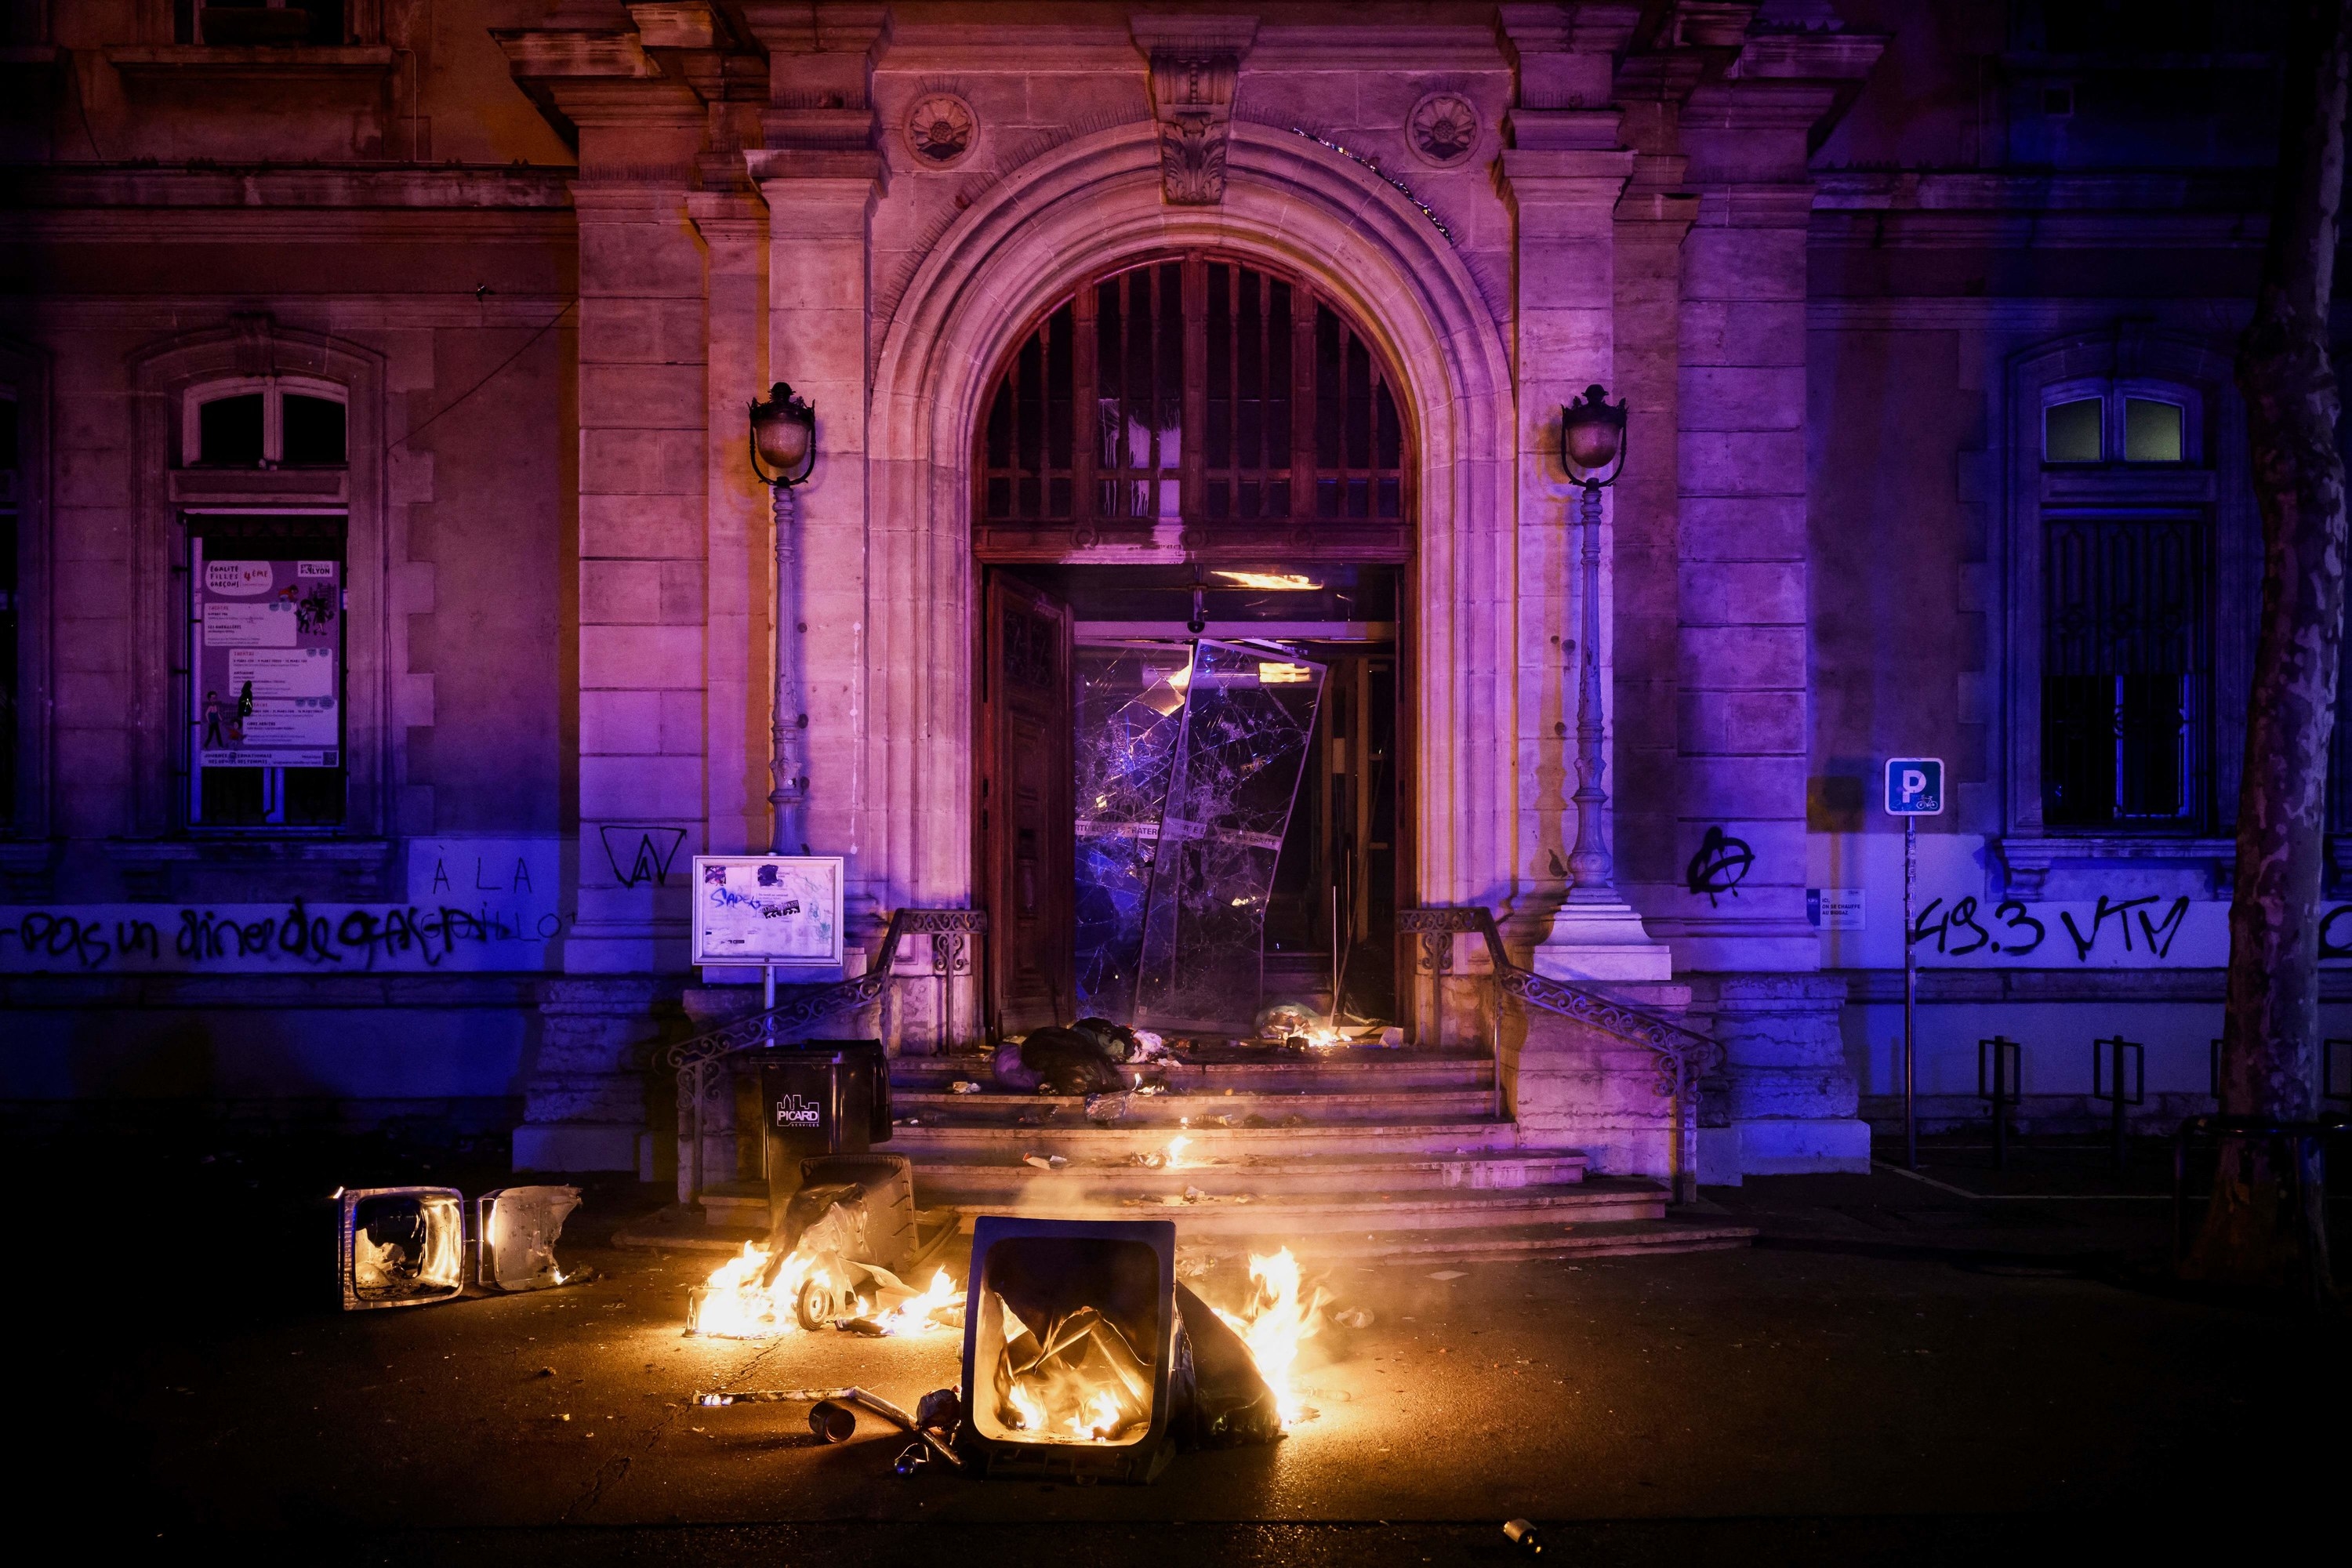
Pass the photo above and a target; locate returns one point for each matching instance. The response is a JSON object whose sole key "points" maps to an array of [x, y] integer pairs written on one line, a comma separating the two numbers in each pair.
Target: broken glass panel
{"points": [[1130, 702], [1248, 719]]}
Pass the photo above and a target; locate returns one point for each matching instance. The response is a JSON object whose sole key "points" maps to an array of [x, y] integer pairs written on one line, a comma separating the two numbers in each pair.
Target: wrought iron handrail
{"points": [[809, 1004], [693, 1058], [1682, 1055]]}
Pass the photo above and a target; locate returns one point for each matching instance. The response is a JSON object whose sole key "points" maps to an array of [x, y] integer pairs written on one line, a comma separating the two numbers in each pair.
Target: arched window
{"points": [[264, 422], [1194, 395]]}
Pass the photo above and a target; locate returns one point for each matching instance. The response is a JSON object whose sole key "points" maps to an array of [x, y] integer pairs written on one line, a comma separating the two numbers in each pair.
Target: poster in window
{"points": [[767, 909], [268, 644]]}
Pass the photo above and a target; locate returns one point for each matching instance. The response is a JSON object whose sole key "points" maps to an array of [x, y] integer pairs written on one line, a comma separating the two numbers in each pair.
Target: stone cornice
{"points": [[310, 188], [1565, 130], [1807, 56], [816, 27], [728, 218], [811, 172], [292, 223], [679, 24], [547, 55], [1202, 33], [1577, 27], [201, 62]]}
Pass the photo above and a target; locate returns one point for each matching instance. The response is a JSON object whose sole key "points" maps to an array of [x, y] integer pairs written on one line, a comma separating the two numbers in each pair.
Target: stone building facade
{"points": [[459, 308]]}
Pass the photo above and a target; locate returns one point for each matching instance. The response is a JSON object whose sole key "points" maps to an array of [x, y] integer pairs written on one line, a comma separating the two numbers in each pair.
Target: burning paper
{"points": [[1082, 1382]]}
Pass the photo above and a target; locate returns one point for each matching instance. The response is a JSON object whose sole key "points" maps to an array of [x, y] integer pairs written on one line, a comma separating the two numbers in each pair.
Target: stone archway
{"points": [[1081, 210]]}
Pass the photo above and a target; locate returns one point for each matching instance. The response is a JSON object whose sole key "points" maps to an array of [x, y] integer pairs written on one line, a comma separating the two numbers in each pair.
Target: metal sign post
{"points": [[1914, 788]]}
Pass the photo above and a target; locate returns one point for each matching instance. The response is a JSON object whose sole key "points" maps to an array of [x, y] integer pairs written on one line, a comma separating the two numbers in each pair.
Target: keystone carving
{"points": [[1196, 62]]}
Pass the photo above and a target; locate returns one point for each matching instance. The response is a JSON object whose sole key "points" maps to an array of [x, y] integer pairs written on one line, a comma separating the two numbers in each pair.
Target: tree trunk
{"points": [[2266, 1222]]}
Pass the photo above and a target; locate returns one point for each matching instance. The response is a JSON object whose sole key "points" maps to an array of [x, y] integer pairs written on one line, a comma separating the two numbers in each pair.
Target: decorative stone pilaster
{"points": [[1563, 177]]}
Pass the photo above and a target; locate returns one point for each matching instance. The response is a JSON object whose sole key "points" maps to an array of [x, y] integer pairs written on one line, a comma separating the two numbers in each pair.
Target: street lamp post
{"points": [[783, 454], [1592, 450]]}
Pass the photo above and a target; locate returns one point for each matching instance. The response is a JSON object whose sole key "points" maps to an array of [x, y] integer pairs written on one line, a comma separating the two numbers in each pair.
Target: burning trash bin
{"points": [[1082, 1356], [1069, 1342]]}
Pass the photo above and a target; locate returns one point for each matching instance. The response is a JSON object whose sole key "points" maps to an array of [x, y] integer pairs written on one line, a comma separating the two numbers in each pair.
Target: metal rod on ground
{"points": [[1910, 999]]}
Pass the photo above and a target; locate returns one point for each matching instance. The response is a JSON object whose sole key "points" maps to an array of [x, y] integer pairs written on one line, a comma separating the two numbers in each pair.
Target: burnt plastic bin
{"points": [[823, 1097]]}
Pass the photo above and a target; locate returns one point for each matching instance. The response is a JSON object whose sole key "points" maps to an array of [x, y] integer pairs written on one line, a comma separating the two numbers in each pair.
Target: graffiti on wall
{"points": [[256, 938]]}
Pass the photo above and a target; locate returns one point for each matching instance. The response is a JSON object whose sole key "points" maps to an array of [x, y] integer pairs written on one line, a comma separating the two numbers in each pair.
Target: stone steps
{"points": [[1006, 1182], [1284, 1217], [1173, 1111], [1355, 1155], [1285, 1073], [1510, 1244], [1078, 1140]]}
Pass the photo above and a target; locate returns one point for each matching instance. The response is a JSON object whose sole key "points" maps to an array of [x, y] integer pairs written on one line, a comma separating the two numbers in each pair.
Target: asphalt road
{"points": [[1868, 1386]]}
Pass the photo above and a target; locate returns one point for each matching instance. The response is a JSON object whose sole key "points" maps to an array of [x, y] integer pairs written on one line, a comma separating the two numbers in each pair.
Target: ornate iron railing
{"points": [[1681, 1056], [694, 1059]]}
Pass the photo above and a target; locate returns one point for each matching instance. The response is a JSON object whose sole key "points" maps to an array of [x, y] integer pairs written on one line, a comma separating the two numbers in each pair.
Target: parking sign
{"points": [[1914, 786]]}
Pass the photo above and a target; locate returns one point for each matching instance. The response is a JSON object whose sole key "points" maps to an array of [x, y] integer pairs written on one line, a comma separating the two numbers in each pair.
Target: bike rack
{"points": [[2001, 1072], [2110, 1055]]}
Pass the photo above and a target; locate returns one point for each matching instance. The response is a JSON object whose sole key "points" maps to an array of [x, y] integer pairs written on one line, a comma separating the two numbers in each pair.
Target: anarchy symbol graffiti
{"points": [[1719, 867]]}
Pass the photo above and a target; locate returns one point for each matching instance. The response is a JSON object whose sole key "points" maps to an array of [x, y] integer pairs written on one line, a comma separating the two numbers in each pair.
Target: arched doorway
{"points": [[1194, 498]]}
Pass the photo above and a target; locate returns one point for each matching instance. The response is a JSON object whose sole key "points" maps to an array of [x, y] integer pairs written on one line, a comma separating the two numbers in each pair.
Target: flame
{"points": [[914, 1314], [1028, 1416], [745, 1298], [1176, 1147], [1276, 582], [1272, 1322], [1101, 1419]]}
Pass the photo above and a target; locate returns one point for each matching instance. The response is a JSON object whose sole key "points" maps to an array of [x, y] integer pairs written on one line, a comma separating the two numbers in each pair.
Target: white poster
{"points": [[767, 909], [278, 672]]}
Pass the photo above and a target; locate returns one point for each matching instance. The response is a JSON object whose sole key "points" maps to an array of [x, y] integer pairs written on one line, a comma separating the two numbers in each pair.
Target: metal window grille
{"points": [[1193, 390], [2126, 672]]}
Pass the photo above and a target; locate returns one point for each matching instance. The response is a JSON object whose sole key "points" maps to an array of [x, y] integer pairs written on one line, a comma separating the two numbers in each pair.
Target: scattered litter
{"points": [[1354, 1317], [963, 1086], [1524, 1536], [1447, 1273], [1294, 1119], [912, 1460], [1194, 1195], [831, 1423], [941, 1410], [1045, 1162], [546, 1372], [865, 1328], [1151, 1088], [1105, 1107]]}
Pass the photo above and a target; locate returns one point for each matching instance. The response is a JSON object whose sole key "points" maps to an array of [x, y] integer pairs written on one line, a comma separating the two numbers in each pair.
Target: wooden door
{"points": [[1025, 823]]}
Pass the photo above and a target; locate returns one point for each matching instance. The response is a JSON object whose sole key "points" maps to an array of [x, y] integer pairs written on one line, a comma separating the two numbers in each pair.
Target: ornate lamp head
{"points": [[783, 438], [1592, 439]]}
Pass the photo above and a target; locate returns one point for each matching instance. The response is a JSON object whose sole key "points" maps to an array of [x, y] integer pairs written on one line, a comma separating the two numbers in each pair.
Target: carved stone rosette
{"points": [[1196, 63]]}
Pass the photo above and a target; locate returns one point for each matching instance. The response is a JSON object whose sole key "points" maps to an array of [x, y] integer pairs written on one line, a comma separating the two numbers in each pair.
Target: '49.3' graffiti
{"points": [[2133, 931]]}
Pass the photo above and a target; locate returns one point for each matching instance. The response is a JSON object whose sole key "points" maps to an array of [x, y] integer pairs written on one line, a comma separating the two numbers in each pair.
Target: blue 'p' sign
{"points": [[1914, 786]]}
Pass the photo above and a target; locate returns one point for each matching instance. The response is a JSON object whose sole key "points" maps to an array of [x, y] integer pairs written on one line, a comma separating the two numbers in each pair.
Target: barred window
{"points": [[1194, 391], [2127, 671]]}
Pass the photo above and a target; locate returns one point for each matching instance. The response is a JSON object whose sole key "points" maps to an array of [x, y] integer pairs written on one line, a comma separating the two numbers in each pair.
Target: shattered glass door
{"points": [[1189, 761]]}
